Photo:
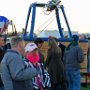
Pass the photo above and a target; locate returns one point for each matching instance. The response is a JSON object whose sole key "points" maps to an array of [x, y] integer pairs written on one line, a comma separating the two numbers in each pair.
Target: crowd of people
{"points": [[23, 66]]}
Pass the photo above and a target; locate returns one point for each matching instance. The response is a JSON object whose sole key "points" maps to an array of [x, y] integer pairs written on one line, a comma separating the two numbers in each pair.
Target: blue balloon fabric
{"points": [[3, 24]]}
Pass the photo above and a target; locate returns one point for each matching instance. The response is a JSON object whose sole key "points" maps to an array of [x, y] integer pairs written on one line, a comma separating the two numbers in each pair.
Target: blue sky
{"points": [[77, 12]]}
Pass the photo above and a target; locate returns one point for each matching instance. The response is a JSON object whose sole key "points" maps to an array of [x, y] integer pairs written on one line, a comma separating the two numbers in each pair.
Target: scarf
{"points": [[34, 59], [39, 79], [73, 43]]}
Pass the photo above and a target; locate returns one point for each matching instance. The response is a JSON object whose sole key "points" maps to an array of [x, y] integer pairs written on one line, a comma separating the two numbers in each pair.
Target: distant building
{"points": [[55, 33]]}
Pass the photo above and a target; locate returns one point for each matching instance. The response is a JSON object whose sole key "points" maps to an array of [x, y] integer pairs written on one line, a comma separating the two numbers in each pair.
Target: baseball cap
{"points": [[30, 47]]}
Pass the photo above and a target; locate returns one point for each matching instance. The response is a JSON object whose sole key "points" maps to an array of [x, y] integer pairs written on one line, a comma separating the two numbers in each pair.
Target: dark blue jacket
{"points": [[1, 57], [73, 57]]}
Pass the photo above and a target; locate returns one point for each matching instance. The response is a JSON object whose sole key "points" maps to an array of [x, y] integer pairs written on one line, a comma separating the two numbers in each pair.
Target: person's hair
{"points": [[1, 35], [4, 36], [38, 41], [55, 39], [53, 45], [15, 40]]}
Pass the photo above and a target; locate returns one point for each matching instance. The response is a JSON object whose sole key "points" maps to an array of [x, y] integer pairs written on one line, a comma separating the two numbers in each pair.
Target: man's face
{"points": [[1, 41], [22, 48], [40, 45]]}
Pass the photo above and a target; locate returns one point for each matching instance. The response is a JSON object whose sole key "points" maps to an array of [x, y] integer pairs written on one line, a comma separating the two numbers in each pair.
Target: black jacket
{"points": [[62, 50], [1, 57], [1, 54]]}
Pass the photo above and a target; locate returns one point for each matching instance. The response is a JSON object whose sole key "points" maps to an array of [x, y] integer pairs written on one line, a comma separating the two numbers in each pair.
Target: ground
{"points": [[85, 88]]}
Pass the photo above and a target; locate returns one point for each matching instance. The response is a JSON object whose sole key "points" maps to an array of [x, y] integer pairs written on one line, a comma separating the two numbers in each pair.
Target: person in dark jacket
{"points": [[1, 45], [1, 57], [73, 56], [88, 56], [6, 45], [64, 84], [62, 46], [39, 42], [54, 64]]}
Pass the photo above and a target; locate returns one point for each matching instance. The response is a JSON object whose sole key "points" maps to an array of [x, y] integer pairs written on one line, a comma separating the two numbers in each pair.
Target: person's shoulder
{"points": [[10, 51], [78, 48], [11, 54]]}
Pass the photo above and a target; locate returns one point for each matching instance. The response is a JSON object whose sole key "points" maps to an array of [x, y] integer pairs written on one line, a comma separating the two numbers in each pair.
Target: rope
{"points": [[46, 25], [45, 22]]}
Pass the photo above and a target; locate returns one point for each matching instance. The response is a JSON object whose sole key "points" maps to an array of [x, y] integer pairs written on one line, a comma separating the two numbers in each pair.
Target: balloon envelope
{"points": [[3, 24]]}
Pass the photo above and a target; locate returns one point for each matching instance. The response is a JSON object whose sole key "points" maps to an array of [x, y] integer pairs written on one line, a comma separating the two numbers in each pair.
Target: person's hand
{"points": [[36, 66]]}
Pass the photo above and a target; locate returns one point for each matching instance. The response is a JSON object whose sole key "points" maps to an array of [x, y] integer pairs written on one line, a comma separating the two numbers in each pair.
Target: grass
{"points": [[85, 88], [88, 88]]}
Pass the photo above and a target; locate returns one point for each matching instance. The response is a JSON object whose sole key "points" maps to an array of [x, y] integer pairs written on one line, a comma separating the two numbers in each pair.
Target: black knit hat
{"points": [[38, 41], [75, 37]]}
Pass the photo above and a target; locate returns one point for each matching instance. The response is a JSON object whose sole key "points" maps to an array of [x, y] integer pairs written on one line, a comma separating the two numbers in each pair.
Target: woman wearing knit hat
{"points": [[73, 56], [39, 42]]}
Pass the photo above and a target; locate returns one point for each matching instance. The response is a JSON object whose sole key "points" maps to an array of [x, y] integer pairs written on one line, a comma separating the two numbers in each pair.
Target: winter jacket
{"points": [[73, 57], [55, 67], [1, 57], [14, 73]]}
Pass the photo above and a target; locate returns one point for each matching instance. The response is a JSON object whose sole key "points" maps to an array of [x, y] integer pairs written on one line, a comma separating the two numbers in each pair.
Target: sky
{"points": [[77, 11]]}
